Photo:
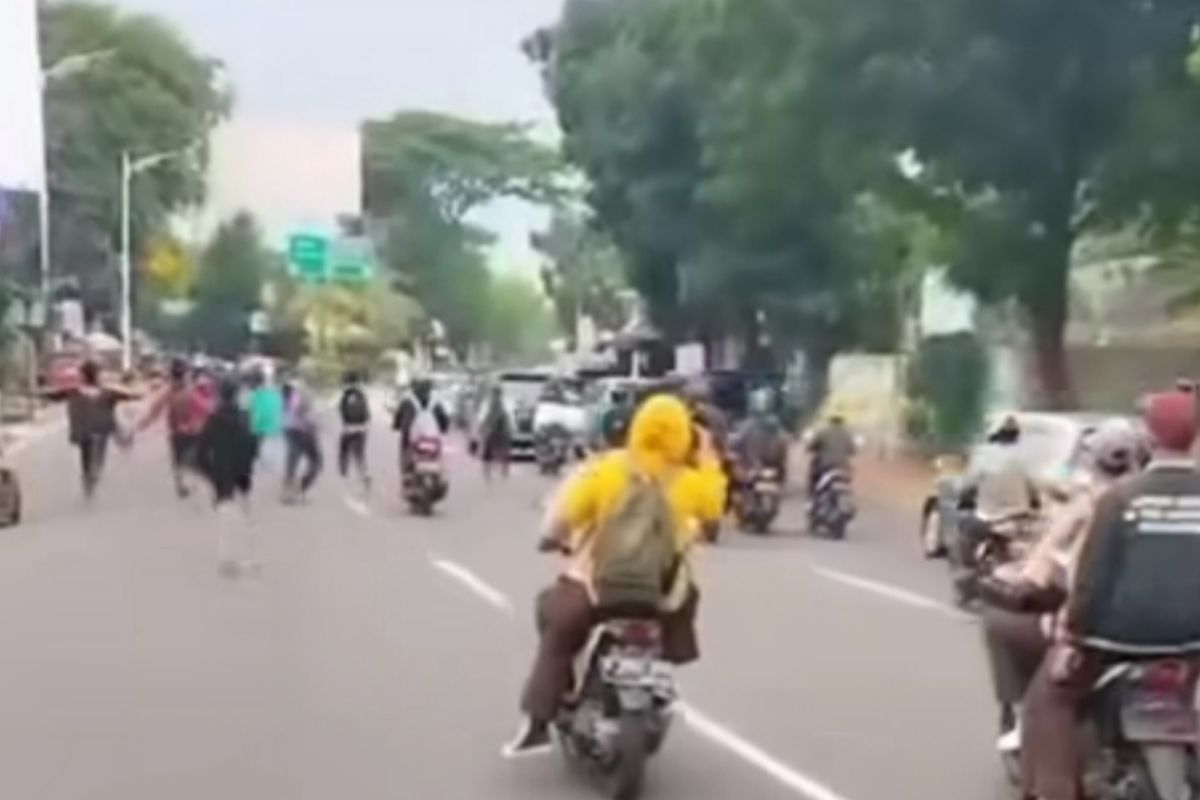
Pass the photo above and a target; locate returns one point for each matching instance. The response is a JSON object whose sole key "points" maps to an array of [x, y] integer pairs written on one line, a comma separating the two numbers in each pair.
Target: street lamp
{"points": [[63, 68], [130, 167]]}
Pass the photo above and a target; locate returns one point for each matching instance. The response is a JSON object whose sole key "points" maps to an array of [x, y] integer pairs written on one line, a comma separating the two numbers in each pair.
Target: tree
{"points": [[1035, 124], [716, 164], [150, 93], [585, 275], [519, 323], [425, 174], [228, 288]]}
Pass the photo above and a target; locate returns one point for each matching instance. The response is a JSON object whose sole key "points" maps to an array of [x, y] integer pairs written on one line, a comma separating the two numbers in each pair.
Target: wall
{"points": [[869, 391]]}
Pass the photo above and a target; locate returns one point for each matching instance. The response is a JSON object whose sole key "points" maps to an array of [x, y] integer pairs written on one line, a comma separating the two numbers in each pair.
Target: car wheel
{"points": [[932, 545]]}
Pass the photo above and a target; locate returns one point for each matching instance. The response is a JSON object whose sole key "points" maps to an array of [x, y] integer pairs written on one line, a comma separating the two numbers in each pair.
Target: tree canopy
{"points": [[146, 92]]}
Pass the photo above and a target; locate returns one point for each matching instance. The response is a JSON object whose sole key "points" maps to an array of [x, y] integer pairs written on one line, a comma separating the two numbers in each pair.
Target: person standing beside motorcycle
{"points": [[660, 457], [1021, 598], [1132, 591], [999, 487], [418, 416]]}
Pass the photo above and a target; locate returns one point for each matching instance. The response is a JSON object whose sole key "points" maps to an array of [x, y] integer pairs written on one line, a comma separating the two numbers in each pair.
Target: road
{"points": [[379, 656]]}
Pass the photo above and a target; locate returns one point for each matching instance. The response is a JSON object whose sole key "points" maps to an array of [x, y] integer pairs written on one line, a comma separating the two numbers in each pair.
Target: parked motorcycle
{"points": [[552, 449], [831, 507], [424, 484], [757, 498], [623, 708], [1140, 730]]}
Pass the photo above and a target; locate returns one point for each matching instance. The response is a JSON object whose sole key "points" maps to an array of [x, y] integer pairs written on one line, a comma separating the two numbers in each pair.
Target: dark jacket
{"points": [[1137, 581], [91, 412], [226, 451]]}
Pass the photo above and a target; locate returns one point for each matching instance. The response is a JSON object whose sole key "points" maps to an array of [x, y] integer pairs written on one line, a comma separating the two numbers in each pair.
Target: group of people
{"points": [[1109, 578]]}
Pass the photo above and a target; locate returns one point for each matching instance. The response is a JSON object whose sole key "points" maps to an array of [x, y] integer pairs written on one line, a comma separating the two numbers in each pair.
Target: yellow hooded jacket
{"points": [[660, 446]]}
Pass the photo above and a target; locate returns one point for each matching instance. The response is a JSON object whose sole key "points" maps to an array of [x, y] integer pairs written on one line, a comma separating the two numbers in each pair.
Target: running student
{"points": [[226, 450], [92, 422], [303, 442], [355, 412], [186, 410]]}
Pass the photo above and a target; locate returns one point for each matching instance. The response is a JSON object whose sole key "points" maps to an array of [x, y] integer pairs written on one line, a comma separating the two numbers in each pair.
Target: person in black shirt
{"points": [[355, 412], [92, 422]]}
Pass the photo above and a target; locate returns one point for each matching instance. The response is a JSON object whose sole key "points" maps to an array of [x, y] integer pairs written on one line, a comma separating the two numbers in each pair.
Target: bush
{"points": [[947, 385]]}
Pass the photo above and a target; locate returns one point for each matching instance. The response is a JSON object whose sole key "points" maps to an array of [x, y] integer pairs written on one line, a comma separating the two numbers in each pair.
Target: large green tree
{"points": [[145, 91], [1032, 125], [425, 174], [717, 163]]}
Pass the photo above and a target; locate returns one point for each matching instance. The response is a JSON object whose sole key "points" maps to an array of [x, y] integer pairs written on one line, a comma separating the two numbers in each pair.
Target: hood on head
{"points": [[661, 433]]}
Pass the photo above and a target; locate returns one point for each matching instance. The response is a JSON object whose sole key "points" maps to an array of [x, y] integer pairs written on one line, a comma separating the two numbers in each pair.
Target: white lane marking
{"points": [[747, 751], [493, 596], [356, 505], [892, 592], [715, 732]]}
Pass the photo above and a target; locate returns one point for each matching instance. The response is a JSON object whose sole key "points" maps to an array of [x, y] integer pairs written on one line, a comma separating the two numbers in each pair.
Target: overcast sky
{"points": [[337, 62], [343, 60]]}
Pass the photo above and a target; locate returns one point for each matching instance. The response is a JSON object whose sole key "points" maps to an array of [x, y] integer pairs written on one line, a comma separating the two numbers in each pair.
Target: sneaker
{"points": [[1010, 742], [532, 739]]}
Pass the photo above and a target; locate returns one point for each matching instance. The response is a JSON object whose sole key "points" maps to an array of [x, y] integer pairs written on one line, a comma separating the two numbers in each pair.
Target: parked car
{"points": [[1051, 445]]}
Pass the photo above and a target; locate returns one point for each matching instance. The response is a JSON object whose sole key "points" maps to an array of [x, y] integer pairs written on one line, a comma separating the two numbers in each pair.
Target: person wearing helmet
{"points": [[1131, 590], [760, 441], [832, 448], [1021, 598], [418, 415], [998, 487]]}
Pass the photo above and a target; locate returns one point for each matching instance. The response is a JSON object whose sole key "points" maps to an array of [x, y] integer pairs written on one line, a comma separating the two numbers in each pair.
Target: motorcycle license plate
{"points": [[767, 487], [428, 467], [645, 673], [1159, 720]]}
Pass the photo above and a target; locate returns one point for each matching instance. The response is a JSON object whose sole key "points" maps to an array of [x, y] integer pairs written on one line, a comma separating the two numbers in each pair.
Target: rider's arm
{"points": [[443, 419], [1094, 550]]}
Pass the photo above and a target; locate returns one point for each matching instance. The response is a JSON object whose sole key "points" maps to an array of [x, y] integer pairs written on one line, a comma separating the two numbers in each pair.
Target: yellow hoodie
{"points": [[660, 446]]}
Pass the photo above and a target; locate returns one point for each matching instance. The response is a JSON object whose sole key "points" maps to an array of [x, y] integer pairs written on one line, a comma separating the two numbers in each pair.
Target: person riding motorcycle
{"points": [[760, 440], [832, 448], [999, 487], [1131, 591], [1021, 598], [418, 415], [662, 450]]}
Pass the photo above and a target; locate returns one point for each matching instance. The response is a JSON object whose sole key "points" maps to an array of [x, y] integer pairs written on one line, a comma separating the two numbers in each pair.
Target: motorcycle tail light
{"points": [[429, 448], [1166, 677], [644, 634]]}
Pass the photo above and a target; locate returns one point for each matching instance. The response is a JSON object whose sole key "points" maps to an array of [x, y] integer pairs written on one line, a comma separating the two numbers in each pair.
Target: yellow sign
{"points": [[169, 266]]}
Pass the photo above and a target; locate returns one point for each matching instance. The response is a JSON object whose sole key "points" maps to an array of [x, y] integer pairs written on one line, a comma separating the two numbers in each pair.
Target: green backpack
{"points": [[635, 548]]}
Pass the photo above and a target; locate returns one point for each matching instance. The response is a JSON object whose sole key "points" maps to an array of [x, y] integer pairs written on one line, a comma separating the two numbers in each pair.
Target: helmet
{"points": [[1115, 448], [1170, 418], [1007, 431]]}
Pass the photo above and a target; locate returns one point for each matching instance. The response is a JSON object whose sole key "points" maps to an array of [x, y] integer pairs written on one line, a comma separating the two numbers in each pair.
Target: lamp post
{"points": [[130, 167], [64, 67]]}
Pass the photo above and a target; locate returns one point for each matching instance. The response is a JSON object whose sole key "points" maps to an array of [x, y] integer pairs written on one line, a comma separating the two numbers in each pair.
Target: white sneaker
{"points": [[1011, 741]]}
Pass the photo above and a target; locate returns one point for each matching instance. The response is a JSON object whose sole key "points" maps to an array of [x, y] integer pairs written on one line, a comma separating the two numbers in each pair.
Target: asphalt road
{"points": [[379, 656]]}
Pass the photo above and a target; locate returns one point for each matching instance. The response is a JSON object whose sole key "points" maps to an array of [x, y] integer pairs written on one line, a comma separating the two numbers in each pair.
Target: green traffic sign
{"points": [[308, 254], [350, 261]]}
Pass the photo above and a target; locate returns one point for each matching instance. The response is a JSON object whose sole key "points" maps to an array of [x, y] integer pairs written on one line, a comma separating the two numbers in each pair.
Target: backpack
{"points": [[635, 548], [354, 407]]}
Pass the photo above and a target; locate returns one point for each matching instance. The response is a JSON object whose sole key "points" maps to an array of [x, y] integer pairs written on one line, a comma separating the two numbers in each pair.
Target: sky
{"points": [[337, 62]]}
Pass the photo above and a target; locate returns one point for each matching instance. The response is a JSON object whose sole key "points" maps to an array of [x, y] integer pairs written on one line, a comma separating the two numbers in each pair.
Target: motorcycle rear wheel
{"points": [[632, 748]]}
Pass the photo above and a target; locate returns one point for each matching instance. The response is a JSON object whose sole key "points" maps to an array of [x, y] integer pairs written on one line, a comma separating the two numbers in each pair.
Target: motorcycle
{"points": [[832, 505], [757, 499], [1140, 730], [623, 709], [424, 483], [552, 449]]}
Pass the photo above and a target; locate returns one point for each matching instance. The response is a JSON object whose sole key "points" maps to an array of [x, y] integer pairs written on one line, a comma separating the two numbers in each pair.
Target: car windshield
{"points": [[1047, 446], [523, 390]]}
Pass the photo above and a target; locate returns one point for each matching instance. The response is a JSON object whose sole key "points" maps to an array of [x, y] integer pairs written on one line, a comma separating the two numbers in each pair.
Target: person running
{"points": [[266, 409], [186, 410], [303, 442], [495, 429], [226, 450], [355, 411], [92, 422]]}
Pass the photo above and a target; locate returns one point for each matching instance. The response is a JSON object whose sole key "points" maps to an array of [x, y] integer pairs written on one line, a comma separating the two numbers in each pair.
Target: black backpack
{"points": [[355, 410]]}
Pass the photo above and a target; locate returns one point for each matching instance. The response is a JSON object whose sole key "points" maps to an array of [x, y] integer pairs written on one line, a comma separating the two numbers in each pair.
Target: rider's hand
{"points": [[549, 544]]}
